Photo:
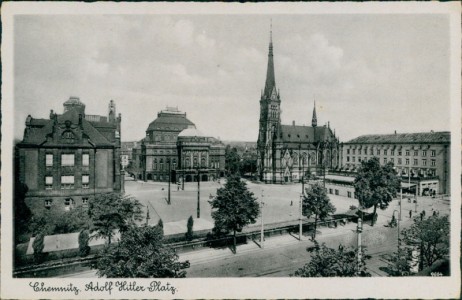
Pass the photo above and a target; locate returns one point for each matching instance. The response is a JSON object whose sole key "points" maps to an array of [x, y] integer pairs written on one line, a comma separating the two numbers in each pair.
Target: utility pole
{"points": [[300, 227], [169, 178], [262, 234], [198, 193], [415, 199], [400, 201], [359, 229]]}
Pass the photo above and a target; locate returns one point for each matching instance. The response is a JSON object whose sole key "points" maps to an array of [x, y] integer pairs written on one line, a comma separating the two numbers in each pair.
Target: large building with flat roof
{"points": [[420, 159]]}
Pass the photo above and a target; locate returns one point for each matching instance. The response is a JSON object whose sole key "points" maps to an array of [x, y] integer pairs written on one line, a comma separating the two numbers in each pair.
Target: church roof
{"points": [[403, 138], [270, 85], [305, 134]]}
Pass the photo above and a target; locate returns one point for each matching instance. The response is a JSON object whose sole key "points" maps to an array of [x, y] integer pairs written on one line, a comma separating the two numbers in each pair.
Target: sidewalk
{"points": [[208, 254]]}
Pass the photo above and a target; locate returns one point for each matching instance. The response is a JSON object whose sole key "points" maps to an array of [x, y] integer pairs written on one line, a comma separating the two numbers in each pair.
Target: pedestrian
{"points": [[421, 216], [410, 214], [291, 202], [434, 213], [423, 213]]}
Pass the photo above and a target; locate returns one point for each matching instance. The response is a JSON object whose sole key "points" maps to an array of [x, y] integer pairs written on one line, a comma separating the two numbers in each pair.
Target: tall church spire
{"points": [[314, 120], [270, 79]]}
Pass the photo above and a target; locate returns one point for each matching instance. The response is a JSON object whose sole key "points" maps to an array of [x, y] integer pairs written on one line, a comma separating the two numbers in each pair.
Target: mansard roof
{"points": [[172, 121], [38, 130], [442, 137]]}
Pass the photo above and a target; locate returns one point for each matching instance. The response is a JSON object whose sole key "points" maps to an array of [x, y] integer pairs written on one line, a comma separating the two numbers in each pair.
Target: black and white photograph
{"points": [[226, 150]]}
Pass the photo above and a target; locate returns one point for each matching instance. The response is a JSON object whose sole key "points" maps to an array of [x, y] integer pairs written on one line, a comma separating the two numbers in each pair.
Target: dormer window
{"points": [[68, 137]]}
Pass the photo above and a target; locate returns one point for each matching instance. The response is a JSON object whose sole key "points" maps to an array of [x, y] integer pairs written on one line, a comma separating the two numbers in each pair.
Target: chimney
{"points": [[395, 131], [293, 123], [51, 114]]}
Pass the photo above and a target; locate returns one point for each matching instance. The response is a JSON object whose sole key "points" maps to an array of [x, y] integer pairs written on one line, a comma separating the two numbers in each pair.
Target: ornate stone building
{"points": [[286, 152], [175, 149], [69, 158]]}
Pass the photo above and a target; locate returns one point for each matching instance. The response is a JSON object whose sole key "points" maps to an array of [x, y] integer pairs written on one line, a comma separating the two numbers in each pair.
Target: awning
{"points": [[407, 185]]}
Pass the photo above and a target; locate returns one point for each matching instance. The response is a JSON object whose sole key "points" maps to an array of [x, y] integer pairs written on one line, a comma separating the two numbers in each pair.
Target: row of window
{"points": [[67, 160], [392, 152], [68, 203], [400, 161], [331, 191], [67, 182]]}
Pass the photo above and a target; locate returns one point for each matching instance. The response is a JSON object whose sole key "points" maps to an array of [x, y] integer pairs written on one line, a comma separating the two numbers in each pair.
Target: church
{"points": [[291, 153]]}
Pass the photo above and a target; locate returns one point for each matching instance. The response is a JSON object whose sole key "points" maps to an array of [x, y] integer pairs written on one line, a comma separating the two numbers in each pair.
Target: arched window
{"points": [[187, 163], [203, 162], [154, 164]]}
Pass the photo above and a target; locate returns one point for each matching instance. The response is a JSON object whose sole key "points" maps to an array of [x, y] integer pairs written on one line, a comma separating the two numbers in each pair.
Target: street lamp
{"points": [[300, 227], [359, 229], [198, 193], [169, 178], [262, 234], [398, 230]]}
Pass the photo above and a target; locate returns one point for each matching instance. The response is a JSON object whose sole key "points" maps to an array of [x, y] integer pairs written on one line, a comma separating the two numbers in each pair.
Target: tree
{"points": [[329, 262], [38, 245], [22, 213], [431, 237], [140, 254], [375, 185], [84, 238], [234, 207], [232, 160], [189, 233], [316, 203], [112, 211]]}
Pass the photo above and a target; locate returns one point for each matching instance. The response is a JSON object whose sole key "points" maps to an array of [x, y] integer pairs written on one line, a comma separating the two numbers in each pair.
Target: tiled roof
{"points": [[179, 122], [305, 134], [403, 138], [38, 135]]}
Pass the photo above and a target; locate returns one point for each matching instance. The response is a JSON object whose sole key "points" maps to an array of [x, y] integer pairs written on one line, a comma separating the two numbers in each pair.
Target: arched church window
{"points": [[203, 162]]}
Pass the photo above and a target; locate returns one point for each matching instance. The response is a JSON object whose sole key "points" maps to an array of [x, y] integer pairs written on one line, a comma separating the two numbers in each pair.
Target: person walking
{"points": [[410, 214]]}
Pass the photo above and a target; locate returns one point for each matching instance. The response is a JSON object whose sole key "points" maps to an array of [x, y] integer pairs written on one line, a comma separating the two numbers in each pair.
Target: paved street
{"points": [[281, 255]]}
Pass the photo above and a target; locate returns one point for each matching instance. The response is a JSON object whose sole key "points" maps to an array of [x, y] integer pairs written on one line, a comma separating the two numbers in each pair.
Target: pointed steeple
{"points": [[314, 120], [270, 79]]}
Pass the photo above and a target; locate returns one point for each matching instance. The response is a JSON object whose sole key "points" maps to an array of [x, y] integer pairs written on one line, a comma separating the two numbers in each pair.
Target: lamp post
{"points": [[169, 179], [400, 200], [359, 229], [398, 231], [198, 193], [300, 227], [262, 234]]}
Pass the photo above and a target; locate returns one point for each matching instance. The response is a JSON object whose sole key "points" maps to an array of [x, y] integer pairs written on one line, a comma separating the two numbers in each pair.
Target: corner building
{"points": [[69, 158], [420, 159], [288, 152]]}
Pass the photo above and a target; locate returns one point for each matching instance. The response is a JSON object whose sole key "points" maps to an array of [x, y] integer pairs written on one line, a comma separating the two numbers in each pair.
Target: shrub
{"points": [[84, 237], [38, 246]]}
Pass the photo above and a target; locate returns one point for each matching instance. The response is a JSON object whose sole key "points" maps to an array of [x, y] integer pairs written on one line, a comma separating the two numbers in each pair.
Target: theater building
{"points": [[175, 150], [288, 152], [67, 159]]}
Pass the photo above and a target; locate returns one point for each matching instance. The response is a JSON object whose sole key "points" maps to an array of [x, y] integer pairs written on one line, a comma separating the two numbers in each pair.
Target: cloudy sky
{"points": [[368, 73]]}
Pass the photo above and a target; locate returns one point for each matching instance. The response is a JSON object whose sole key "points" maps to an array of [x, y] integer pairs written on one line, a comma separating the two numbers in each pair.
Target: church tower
{"points": [[270, 117]]}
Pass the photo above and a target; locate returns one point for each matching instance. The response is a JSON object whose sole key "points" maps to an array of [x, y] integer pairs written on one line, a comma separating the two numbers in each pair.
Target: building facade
{"points": [[288, 152], [69, 158], [420, 159], [174, 150]]}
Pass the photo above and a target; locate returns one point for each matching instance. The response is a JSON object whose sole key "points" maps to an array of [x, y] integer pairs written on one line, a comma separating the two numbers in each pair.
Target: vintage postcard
{"points": [[231, 150]]}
